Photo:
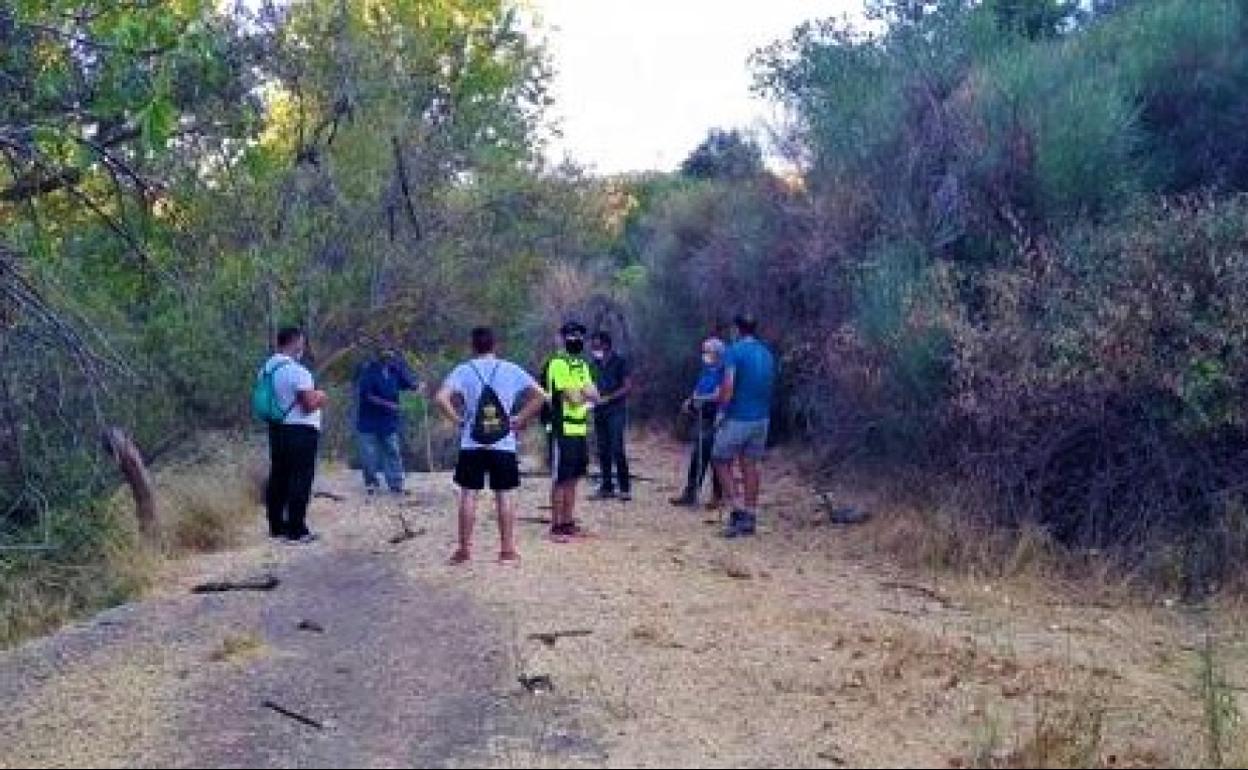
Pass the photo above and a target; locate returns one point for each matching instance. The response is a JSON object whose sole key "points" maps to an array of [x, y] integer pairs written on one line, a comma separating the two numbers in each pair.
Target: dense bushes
{"points": [[1016, 257]]}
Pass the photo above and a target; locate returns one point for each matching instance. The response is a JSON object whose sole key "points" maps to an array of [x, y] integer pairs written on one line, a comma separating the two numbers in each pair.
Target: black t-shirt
{"points": [[609, 376]]}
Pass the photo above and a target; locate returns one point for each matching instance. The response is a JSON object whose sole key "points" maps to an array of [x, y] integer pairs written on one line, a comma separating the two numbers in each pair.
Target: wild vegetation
{"points": [[1007, 251], [1013, 257]]}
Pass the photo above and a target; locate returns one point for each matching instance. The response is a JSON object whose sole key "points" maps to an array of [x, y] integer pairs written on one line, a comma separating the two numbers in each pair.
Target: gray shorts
{"points": [[741, 438]]}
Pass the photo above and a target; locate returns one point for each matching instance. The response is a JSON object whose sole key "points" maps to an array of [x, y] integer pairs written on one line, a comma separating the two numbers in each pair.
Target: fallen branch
{"points": [[549, 638], [130, 461], [537, 684], [268, 704], [265, 583], [408, 533]]}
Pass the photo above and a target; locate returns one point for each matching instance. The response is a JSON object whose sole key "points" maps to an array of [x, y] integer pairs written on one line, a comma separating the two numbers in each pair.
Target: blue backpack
{"points": [[265, 405]]}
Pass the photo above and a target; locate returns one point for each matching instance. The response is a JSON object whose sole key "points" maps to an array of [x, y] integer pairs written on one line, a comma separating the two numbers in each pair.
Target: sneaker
{"points": [[509, 558], [577, 532], [685, 500], [749, 522], [626, 497], [371, 491], [306, 539], [559, 535], [461, 556], [603, 494], [735, 526]]}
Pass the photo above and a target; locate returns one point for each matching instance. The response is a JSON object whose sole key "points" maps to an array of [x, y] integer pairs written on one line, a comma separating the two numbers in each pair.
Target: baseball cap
{"points": [[573, 329]]}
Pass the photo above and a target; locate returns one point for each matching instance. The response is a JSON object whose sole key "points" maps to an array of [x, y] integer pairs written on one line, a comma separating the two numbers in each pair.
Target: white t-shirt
{"points": [[509, 382], [289, 380]]}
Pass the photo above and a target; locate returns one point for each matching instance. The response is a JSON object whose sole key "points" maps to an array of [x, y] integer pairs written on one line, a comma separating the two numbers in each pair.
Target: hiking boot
{"points": [[736, 525], [603, 494]]}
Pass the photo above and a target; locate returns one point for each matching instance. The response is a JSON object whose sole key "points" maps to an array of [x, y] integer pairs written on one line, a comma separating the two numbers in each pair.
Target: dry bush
{"points": [[238, 647], [98, 562]]}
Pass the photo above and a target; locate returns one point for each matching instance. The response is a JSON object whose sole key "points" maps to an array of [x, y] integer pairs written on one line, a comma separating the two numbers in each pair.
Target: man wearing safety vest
{"points": [[570, 384]]}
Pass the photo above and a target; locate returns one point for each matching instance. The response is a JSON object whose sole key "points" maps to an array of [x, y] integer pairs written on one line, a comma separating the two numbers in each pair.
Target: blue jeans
{"points": [[379, 452]]}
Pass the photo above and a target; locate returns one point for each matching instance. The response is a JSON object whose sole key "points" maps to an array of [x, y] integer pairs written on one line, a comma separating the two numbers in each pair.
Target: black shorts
{"points": [[571, 460], [474, 465]]}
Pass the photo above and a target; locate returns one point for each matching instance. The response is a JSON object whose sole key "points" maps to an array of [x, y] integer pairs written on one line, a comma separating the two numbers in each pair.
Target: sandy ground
{"points": [[799, 647]]}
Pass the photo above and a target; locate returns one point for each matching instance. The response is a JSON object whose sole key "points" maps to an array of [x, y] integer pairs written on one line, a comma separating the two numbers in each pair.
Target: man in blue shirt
{"points": [[745, 398], [377, 419], [703, 404]]}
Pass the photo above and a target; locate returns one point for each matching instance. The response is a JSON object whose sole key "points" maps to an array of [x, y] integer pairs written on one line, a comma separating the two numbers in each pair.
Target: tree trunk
{"points": [[130, 463]]}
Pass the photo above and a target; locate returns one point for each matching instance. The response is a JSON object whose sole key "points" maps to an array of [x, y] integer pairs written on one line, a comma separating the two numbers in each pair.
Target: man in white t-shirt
{"points": [[292, 442], [521, 398]]}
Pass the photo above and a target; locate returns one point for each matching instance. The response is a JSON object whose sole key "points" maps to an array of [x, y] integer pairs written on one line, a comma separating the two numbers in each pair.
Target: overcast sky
{"points": [[639, 82]]}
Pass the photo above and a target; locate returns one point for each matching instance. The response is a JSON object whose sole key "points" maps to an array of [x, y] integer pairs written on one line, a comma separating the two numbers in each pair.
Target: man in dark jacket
{"points": [[380, 383], [614, 382]]}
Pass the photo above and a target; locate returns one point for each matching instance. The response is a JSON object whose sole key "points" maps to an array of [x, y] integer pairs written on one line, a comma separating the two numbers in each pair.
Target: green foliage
{"points": [[724, 155], [1014, 256], [209, 172], [92, 568]]}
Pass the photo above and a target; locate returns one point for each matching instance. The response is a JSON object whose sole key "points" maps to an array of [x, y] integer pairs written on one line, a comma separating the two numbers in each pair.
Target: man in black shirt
{"points": [[614, 382]]}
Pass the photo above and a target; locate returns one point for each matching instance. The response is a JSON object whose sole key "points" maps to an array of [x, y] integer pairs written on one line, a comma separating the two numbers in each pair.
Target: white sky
{"points": [[640, 82]]}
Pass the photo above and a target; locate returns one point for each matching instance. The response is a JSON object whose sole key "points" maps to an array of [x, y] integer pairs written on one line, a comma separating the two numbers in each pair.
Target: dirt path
{"points": [[796, 648]]}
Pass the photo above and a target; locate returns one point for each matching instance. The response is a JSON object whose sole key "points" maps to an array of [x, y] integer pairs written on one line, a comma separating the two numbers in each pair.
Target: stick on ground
{"points": [[549, 638], [263, 583], [268, 704]]}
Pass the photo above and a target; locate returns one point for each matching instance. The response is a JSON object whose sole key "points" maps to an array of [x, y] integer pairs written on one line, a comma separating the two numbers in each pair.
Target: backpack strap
{"points": [[487, 383]]}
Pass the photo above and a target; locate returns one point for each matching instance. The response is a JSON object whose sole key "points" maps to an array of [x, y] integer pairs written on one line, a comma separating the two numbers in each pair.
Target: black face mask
{"points": [[575, 347]]}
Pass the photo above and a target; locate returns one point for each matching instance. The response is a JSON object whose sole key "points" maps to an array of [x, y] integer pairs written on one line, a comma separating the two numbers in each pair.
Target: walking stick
{"points": [[424, 403], [701, 475]]}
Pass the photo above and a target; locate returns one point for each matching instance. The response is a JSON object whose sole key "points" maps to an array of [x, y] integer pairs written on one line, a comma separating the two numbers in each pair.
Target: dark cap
{"points": [[573, 329], [746, 323]]}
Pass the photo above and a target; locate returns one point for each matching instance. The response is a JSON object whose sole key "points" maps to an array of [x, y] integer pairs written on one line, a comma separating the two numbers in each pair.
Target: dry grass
{"points": [[207, 510], [238, 647], [205, 502], [100, 564]]}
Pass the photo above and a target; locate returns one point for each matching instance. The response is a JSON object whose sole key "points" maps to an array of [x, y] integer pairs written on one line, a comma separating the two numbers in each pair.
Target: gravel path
{"points": [[403, 673], [803, 647]]}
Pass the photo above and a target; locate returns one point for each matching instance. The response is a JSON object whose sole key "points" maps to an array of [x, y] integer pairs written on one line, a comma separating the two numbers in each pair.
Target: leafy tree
{"points": [[726, 156]]}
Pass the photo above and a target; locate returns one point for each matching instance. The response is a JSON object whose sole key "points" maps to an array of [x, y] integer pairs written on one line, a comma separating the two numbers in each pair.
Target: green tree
{"points": [[726, 156]]}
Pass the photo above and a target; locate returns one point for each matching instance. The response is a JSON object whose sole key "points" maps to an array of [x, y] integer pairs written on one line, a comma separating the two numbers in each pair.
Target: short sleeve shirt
{"points": [[509, 382], [290, 379], [753, 371]]}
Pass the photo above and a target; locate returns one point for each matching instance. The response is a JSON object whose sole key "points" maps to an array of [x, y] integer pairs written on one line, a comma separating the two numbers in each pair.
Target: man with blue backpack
{"points": [[286, 398]]}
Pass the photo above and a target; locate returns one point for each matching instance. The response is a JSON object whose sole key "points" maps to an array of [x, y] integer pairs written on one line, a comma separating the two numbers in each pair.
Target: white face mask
{"points": [[600, 354], [708, 359]]}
